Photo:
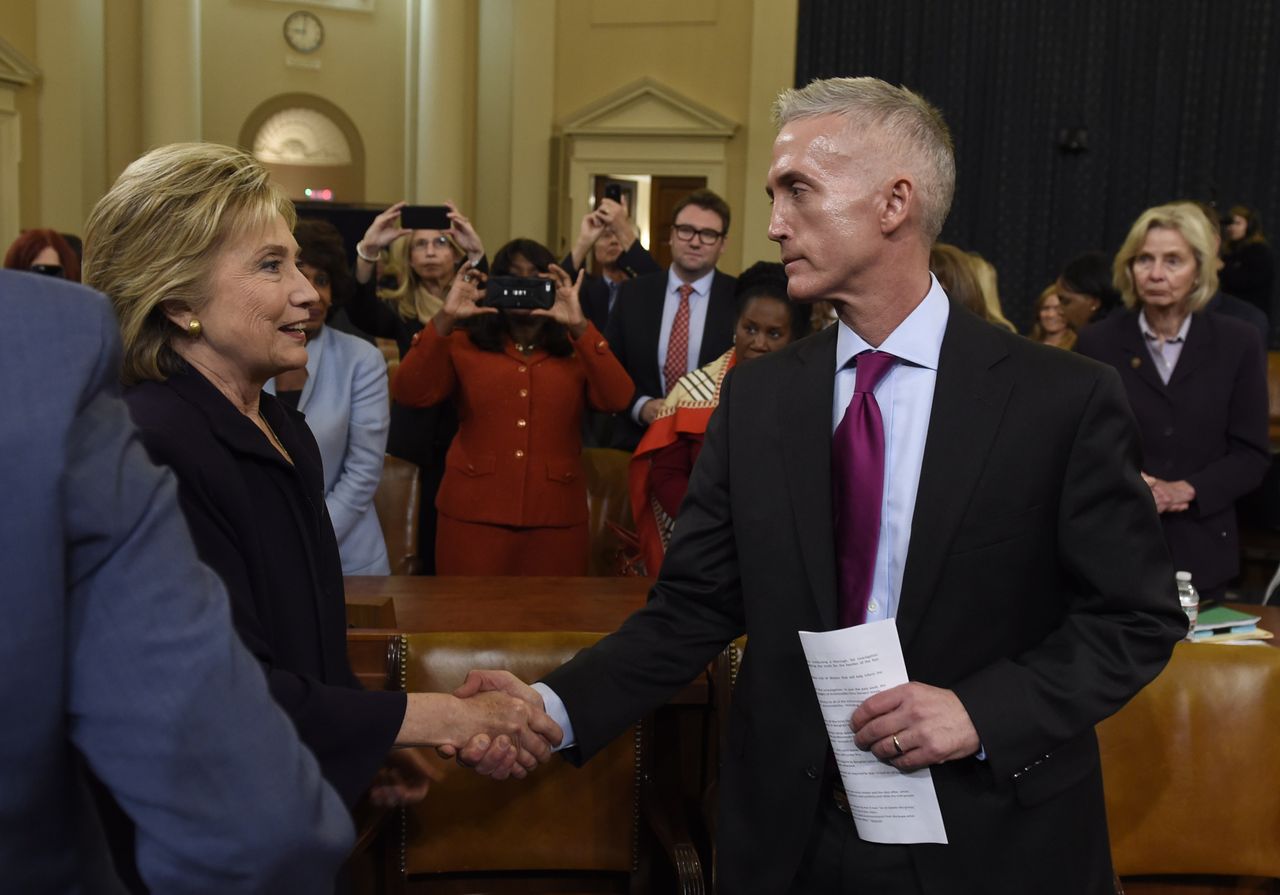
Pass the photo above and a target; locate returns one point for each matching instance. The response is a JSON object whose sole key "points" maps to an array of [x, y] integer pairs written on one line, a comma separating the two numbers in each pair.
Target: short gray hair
{"points": [[915, 130]]}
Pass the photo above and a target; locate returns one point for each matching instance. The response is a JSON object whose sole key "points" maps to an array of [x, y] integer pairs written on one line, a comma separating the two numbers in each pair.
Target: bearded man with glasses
{"points": [[665, 324]]}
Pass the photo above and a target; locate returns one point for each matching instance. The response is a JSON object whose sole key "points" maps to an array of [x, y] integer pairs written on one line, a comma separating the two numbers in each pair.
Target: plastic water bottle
{"points": [[1189, 599]]}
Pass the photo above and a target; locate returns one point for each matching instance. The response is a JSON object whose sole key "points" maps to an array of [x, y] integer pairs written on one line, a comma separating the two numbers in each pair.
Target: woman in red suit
{"points": [[514, 498]]}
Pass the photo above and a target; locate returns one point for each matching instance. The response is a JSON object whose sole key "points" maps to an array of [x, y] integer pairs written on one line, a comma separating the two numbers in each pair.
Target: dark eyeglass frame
{"points": [[47, 270], [706, 236]]}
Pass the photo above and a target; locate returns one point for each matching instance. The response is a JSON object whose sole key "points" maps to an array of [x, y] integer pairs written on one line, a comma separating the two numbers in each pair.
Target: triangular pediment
{"points": [[14, 67], [647, 107]]}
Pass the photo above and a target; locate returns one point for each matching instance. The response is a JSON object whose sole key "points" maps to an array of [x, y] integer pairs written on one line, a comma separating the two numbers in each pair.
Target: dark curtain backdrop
{"points": [[1180, 99]]}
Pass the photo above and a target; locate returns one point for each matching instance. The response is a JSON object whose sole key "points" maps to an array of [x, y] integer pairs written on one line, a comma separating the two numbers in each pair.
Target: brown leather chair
{"points": [[609, 508], [1191, 769], [396, 502], [563, 829]]}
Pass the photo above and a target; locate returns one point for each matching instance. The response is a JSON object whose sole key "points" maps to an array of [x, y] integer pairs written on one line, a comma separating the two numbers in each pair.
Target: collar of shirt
{"points": [[917, 340], [701, 286], [1153, 336]]}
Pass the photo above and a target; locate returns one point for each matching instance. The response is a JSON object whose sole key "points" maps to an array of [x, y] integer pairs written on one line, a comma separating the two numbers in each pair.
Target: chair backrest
{"points": [[560, 818], [397, 503], [607, 502], [1191, 766]]}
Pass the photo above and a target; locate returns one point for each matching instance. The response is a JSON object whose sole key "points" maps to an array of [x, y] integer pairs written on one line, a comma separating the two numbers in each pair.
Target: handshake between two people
{"points": [[494, 723]]}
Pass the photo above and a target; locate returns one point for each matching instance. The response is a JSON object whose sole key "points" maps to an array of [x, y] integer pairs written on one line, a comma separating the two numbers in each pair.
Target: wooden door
{"points": [[665, 193]]}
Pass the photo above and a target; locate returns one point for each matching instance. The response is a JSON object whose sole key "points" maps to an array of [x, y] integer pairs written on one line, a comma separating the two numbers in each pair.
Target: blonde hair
{"points": [[988, 282], [155, 235], [410, 296], [954, 271], [914, 130], [1189, 222]]}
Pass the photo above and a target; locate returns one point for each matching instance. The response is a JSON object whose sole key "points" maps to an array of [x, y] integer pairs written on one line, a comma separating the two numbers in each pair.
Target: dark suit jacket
{"points": [[634, 330], [263, 527], [1229, 305], [635, 260], [118, 651], [1207, 426], [1037, 587]]}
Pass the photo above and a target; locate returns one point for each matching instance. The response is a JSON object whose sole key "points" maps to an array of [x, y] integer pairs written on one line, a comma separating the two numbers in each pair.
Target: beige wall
{"points": [[707, 60], [387, 71], [18, 27], [361, 70]]}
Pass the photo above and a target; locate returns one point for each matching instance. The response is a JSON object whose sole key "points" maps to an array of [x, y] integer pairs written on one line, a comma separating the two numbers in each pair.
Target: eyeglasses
{"points": [[49, 270], [707, 237], [438, 241]]}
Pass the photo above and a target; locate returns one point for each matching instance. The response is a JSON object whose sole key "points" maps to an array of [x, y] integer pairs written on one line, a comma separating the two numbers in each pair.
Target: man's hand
{"points": [[649, 412], [613, 215], [930, 723], [404, 780], [500, 757]]}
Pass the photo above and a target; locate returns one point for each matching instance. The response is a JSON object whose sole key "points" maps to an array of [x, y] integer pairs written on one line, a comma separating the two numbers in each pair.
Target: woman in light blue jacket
{"points": [[343, 393]]}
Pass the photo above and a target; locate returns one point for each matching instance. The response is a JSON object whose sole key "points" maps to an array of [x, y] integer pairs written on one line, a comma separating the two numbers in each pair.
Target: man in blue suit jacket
{"points": [[119, 656]]}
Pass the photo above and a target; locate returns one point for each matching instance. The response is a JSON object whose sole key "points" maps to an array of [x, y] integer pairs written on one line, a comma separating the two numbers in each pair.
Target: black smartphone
{"points": [[425, 217], [521, 293], [613, 191]]}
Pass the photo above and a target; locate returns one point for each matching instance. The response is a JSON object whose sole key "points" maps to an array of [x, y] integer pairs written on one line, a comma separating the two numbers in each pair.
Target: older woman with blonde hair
{"points": [[1196, 383], [193, 245]]}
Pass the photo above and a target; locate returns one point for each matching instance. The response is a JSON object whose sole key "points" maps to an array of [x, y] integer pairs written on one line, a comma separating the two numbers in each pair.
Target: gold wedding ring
{"points": [[897, 745]]}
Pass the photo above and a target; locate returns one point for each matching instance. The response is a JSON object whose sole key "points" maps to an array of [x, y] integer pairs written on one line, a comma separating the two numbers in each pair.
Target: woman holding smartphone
{"points": [[513, 500], [420, 265]]}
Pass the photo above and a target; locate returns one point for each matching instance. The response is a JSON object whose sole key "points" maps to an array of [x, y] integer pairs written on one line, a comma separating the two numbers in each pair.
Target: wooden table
{"points": [[421, 603]]}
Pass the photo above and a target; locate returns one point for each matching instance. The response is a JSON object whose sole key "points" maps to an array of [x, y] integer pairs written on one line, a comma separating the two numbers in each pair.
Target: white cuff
{"points": [[554, 707]]}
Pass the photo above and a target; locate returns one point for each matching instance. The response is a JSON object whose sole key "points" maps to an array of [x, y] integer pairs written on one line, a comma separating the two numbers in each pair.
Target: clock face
{"points": [[303, 31]]}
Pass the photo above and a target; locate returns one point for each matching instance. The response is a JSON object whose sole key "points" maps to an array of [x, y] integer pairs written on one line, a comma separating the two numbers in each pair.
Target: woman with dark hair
{"points": [[45, 252], [663, 461], [421, 265], [1248, 269], [513, 500], [1085, 290], [343, 392]]}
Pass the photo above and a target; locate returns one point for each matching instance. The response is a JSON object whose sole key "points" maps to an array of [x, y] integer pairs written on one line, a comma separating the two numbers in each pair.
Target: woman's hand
{"points": [[567, 309], [464, 234], [384, 230], [403, 780], [1170, 497], [462, 301]]}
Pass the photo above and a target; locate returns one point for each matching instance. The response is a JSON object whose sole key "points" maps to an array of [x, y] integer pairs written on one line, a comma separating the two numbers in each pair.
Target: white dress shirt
{"points": [[1164, 352], [905, 396], [699, 301]]}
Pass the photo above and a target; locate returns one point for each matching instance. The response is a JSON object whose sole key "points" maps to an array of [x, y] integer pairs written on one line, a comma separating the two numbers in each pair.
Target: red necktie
{"points": [[678, 343], [857, 474]]}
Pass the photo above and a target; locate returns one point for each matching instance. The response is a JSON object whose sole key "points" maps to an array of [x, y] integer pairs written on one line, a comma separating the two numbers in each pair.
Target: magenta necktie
{"points": [[857, 473]]}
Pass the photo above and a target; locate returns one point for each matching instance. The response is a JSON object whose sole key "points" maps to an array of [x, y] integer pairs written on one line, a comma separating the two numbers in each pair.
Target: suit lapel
{"points": [[1197, 350], [1134, 345], [804, 409], [720, 318], [968, 403]]}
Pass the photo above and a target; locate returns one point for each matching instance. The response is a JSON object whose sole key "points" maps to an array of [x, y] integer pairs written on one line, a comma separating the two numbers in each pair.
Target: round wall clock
{"points": [[303, 31]]}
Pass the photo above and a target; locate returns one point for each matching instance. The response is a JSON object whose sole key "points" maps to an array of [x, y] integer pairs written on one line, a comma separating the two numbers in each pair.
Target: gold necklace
{"points": [[275, 439]]}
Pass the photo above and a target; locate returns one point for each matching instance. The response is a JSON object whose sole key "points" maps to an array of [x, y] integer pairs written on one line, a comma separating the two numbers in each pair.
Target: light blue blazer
{"points": [[345, 402]]}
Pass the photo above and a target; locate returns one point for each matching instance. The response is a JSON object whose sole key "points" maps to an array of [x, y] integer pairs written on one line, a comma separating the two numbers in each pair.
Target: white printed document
{"points": [[847, 666]]}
